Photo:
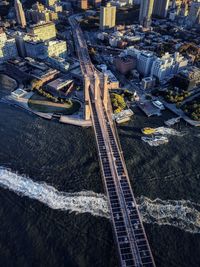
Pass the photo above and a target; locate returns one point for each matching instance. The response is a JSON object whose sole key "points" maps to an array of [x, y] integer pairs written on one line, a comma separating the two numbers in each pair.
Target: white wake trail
{"points": [[182, 214], [81, 202]]}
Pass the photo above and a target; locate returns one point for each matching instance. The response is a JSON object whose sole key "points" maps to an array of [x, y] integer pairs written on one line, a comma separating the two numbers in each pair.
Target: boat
{"points": [[172, 121], [161, 130], [158, 104], [122, 120], [148, 130]]}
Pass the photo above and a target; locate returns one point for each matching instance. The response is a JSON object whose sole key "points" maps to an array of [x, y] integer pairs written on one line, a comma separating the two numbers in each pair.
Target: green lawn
{"points": [[41, 104]]}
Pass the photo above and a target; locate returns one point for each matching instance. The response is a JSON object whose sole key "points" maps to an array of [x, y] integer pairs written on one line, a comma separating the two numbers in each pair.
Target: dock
{"points": [[149, 109]]}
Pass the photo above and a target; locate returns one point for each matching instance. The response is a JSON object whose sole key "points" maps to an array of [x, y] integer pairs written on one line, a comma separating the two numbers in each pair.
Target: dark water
{"points": [[32, 234]]}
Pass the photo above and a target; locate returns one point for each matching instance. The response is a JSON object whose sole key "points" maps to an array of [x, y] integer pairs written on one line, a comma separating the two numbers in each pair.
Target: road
{"points": [[129, 233]]}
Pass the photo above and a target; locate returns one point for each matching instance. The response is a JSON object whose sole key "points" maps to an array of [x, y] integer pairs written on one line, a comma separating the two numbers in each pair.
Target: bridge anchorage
{"points": [[130, 237]]}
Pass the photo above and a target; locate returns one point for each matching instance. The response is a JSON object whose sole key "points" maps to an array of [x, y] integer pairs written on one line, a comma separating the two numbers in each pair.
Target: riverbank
{"points": [[48, 111]]}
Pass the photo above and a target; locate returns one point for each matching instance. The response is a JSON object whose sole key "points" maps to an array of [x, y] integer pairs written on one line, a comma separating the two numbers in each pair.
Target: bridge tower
{"points": [[96, 86], [105, 91], [86, 92]]}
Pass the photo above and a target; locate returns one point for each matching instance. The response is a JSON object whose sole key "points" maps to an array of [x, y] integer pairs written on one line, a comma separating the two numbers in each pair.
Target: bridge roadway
{"points": [[130, 237]]}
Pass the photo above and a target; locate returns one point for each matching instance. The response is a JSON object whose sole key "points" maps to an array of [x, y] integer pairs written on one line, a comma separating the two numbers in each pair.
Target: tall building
{"points": [[144, 63], [8, 47], [83, 4], [21, 20], [50, 2], [40, 13], [146, 9], [107, 16], [194, 14], [160, 8], [43, 31]]}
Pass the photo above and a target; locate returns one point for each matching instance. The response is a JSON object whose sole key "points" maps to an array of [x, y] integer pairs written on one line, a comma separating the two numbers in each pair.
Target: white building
{"points": [[8, 48], [168, 65]]}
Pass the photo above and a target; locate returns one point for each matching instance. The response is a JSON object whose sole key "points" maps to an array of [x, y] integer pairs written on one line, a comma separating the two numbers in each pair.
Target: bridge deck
{"points": [[131, 240], [129, 233]]}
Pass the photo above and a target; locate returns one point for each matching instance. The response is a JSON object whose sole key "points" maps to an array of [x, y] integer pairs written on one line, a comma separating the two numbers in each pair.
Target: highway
{"points": [[128, 230]]}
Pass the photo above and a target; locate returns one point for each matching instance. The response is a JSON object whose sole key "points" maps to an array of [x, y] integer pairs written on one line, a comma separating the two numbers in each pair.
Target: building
{"points": [[96, 3], [148, 82], [188, 78], [59, 63], [83, 4], [41, 49], [194, 14], [21, 20], [38, 13], [56, 48], [19, 93], [43, 31], [168, 65], [125, 64], [60, 87], [144, 62], [146, 9], [160, 8], [107, 16], [28, 68], [35, 48], [50, 2], [19, 40], [113, 83], [8, 49]]}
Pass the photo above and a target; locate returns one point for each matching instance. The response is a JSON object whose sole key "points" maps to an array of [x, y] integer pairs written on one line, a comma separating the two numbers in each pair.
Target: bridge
{"points": [[128, 230]]}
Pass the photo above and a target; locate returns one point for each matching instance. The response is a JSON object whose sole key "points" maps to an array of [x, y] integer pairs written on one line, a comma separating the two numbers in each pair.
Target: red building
{"points": [[125, 64]]}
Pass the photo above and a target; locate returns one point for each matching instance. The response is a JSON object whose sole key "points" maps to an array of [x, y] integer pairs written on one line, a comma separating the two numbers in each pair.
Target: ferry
{"points": [[148, 131], [158, 104]]}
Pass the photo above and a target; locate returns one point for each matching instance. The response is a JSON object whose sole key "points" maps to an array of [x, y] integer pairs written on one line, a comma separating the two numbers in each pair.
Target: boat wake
{"points": [[81, 202], [182, 214], [169, 131]]}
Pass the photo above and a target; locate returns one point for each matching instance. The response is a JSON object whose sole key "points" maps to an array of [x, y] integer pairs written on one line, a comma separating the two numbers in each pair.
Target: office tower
{"points": [[146, 9], [107, 17], [160, 8], [21, 20]]}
